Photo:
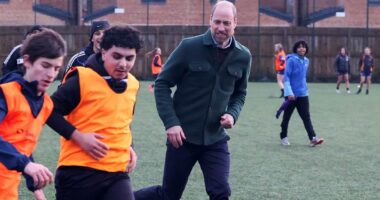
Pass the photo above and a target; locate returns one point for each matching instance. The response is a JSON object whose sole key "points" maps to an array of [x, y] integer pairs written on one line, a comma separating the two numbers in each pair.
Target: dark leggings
{"points": [[302, 105]]}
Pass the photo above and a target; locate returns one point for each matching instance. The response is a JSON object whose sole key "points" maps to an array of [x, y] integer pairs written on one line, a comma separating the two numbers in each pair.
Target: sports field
{"points": [[345, 167]]}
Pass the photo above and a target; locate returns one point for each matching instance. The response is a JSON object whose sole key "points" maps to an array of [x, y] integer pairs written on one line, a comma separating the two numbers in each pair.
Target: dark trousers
{"points": [[214, 161], [82, 183], [302, 105]]}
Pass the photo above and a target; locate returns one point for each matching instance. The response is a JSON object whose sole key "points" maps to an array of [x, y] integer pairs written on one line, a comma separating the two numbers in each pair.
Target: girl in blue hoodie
{"points": [[296, 92]]}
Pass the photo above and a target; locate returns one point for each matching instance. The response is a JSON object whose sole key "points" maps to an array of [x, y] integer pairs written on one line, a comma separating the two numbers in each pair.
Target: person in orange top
{"points": [[98, 101], [24, 109], [156, 65], [280, 66]]}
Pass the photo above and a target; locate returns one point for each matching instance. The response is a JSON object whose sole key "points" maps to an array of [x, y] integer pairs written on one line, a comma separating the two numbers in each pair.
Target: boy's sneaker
{"points": [[367, 92], [316, 141], [359, 90], [348, 92], [285, 141], [337, 91]]}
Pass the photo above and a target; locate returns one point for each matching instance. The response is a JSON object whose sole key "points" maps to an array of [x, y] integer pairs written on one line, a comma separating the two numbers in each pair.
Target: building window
{"points": [[154, 1], [373, 2], [214, 1]]}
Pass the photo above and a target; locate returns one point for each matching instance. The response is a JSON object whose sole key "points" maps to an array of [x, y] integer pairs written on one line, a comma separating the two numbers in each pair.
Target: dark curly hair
{"points": [[46, 44], [122, 36], [300, 43]]}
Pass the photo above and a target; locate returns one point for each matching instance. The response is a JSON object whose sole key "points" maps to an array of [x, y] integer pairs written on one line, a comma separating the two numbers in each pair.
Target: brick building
{"points": [[282, 13]]}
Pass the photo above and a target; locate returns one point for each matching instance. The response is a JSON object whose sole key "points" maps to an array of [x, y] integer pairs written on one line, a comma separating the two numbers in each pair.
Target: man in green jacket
{"points": [[211, 74]]}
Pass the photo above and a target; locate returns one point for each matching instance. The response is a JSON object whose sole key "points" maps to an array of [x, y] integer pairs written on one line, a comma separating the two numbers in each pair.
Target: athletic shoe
{"points": [[358, 86], [285, 141], [338, 91], [316, 141], [348, 92], [358, 92], [367, 92]]}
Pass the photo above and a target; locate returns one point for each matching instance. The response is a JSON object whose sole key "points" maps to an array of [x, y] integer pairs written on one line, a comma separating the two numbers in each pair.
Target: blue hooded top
{"points": [[295, 76]]}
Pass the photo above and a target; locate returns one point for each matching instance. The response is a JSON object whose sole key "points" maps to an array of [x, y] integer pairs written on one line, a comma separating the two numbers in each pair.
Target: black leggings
{"points": [[302, 105], [82, 183]]}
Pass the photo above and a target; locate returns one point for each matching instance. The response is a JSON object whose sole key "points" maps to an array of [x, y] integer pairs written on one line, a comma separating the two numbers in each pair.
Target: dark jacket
{"points": [[80, 58], [342, 63], [366, 63], [206, 89], [14, 61]]}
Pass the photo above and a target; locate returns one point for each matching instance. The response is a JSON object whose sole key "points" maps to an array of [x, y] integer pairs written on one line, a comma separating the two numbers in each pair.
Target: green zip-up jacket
{"points": [[204, 90]]}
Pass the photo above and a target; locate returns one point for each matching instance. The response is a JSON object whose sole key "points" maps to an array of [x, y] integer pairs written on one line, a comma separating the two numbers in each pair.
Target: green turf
{"points": [[345, 167]]}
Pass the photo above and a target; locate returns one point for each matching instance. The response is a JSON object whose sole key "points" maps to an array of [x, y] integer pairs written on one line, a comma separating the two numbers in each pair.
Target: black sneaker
{"points": [[367, 92], [358, 92]]}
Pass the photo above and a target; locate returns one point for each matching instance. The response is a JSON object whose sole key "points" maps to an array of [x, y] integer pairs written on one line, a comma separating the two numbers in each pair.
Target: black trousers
{"points": [[82, 183], [302, 105], [214, 161]]}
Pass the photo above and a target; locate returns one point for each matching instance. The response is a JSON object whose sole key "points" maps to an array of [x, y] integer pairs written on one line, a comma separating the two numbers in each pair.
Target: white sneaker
{"points": [[338, 91], [348, 92], [285, 141], [358, 86]]}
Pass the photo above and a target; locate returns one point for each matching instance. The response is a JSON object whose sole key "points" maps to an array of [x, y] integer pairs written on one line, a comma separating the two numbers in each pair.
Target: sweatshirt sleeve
{"points": [[65, 100], [155, 62], [28, 179], [10, 63], [336, 63], [288, 71]]}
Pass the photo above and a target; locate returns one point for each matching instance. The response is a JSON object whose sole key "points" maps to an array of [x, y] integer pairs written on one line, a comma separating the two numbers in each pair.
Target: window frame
{"points": [[373, 3], [153, 1]]}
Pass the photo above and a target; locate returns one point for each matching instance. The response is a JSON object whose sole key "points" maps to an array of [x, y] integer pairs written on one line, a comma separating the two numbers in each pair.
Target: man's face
{"points": [[96, 39], [118, 61], [43, 70], [301, 50], [223, 24]]}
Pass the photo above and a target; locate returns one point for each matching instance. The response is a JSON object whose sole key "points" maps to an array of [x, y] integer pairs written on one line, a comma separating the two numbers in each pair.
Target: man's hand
{"points": [[292, 98], [175, 136], [40, 174], [91, 144], [133, 160], [39, 195], [227, 121]]}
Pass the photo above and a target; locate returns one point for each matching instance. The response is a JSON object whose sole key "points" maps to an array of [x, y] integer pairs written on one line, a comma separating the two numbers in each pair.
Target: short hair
{"points": [[298, 44], [121, 36], [46, 44], [34, 29], [233, 7], [279, 45]]}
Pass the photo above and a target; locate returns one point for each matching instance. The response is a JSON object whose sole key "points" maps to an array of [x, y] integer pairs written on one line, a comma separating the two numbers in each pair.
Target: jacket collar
{"points": [[209, 41]]}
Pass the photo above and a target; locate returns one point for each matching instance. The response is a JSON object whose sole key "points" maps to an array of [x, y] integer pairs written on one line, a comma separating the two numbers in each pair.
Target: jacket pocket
{"points": [[234, 73], [199, 74]]}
